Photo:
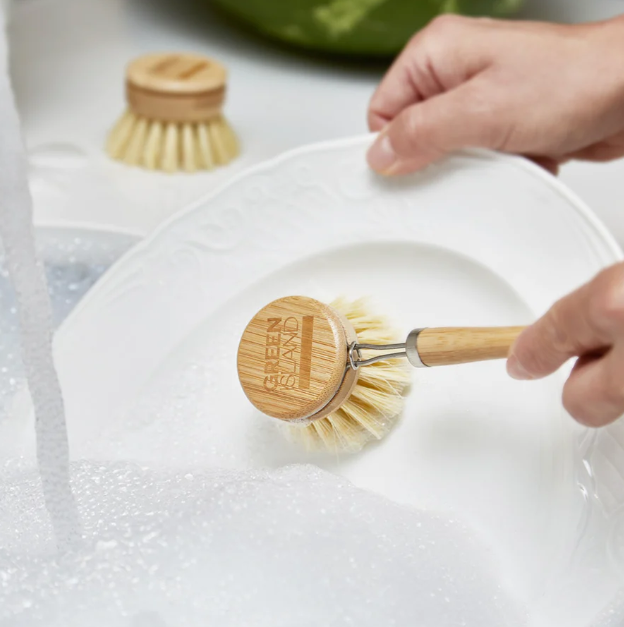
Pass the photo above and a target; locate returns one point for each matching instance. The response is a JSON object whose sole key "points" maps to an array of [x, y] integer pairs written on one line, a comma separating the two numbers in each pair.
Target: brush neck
{"points": [[179, 88], [176, 108]]}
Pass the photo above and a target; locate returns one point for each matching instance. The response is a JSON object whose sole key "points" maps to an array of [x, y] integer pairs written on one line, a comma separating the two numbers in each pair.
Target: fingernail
{"points": [[516, 370], [381, 157]]}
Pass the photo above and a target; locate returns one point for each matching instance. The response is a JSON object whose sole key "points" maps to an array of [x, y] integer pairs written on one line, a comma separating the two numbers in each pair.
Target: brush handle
{"points": [[447, 346]]}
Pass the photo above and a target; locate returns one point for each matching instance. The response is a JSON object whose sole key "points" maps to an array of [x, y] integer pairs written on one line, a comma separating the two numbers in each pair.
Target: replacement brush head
{"points": [[295, 363], [174, 117]]}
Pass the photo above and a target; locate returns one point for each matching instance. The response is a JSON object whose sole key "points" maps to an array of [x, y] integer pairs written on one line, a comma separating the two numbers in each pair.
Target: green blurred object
{"points": [[355, 27]]}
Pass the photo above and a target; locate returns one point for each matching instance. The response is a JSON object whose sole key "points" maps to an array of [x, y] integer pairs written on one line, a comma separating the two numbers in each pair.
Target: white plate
{"points": [[147, 360]]}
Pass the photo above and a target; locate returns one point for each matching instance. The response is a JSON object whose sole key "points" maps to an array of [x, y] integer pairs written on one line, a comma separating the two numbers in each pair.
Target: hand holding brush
{"points": [[338, 375]]}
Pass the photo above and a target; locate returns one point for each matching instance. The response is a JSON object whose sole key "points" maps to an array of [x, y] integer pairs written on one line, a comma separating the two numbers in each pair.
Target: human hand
{"points": [[589, 323], [546, 91]]}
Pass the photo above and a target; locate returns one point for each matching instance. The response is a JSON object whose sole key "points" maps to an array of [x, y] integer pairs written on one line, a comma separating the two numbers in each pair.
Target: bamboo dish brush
{"points": [[174, 117], [334, 376]]}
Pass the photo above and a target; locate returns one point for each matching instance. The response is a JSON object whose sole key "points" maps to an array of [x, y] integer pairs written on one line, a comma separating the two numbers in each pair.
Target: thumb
{"points": [[429, 130], [586, 322]]}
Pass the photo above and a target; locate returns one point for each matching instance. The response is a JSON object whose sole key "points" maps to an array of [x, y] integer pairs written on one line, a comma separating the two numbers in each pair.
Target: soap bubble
{"points": [[291, 547]]}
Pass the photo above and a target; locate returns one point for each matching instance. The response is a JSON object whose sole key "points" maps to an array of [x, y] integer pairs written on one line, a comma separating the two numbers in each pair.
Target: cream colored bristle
{"points": [[120, 135], [134, 152], [170, 151], [203, 144], [171, 146], [188, 148], [376, 401], [152, 145]]}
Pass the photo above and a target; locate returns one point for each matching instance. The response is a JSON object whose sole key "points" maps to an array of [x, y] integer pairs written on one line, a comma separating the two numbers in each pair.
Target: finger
{"points": [[396, 91], [427, 131], [603, 151], [548, 164], [376, 122], [439, 58], [589, 319], [594, 393]]}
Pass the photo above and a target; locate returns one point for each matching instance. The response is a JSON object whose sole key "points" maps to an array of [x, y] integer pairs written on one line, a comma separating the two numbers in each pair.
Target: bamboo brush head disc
{"points": [[176, 87], [292, 360]]}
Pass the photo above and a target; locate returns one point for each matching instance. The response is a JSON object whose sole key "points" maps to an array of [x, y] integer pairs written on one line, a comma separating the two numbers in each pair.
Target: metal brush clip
{"points": [[407, 349]]}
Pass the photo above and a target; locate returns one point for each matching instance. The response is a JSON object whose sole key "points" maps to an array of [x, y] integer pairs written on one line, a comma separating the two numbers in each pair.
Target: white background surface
{"points": [[68, 60]]}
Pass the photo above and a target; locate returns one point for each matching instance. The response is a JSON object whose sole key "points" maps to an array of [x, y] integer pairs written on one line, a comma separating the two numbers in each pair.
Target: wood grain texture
{"points": [[176, 87], [446, 346], [292, 359]]}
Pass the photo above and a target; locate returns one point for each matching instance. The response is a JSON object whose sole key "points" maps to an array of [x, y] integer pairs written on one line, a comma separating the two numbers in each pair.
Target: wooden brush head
{"points": [[176, 87], [292, 359]]}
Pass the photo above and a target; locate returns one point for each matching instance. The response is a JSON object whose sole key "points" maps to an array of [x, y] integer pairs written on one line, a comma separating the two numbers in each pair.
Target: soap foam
{"points": [[613, 614], [295, 547]]}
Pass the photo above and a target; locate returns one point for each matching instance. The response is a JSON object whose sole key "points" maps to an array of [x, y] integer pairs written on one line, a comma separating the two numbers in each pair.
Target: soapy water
{"points": [[613, 614], [296, 546], [27, 317], [73, 260]]}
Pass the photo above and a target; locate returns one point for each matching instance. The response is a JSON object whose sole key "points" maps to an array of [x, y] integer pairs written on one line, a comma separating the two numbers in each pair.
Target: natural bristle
{"points": [[376, 401], [171, 146]]}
